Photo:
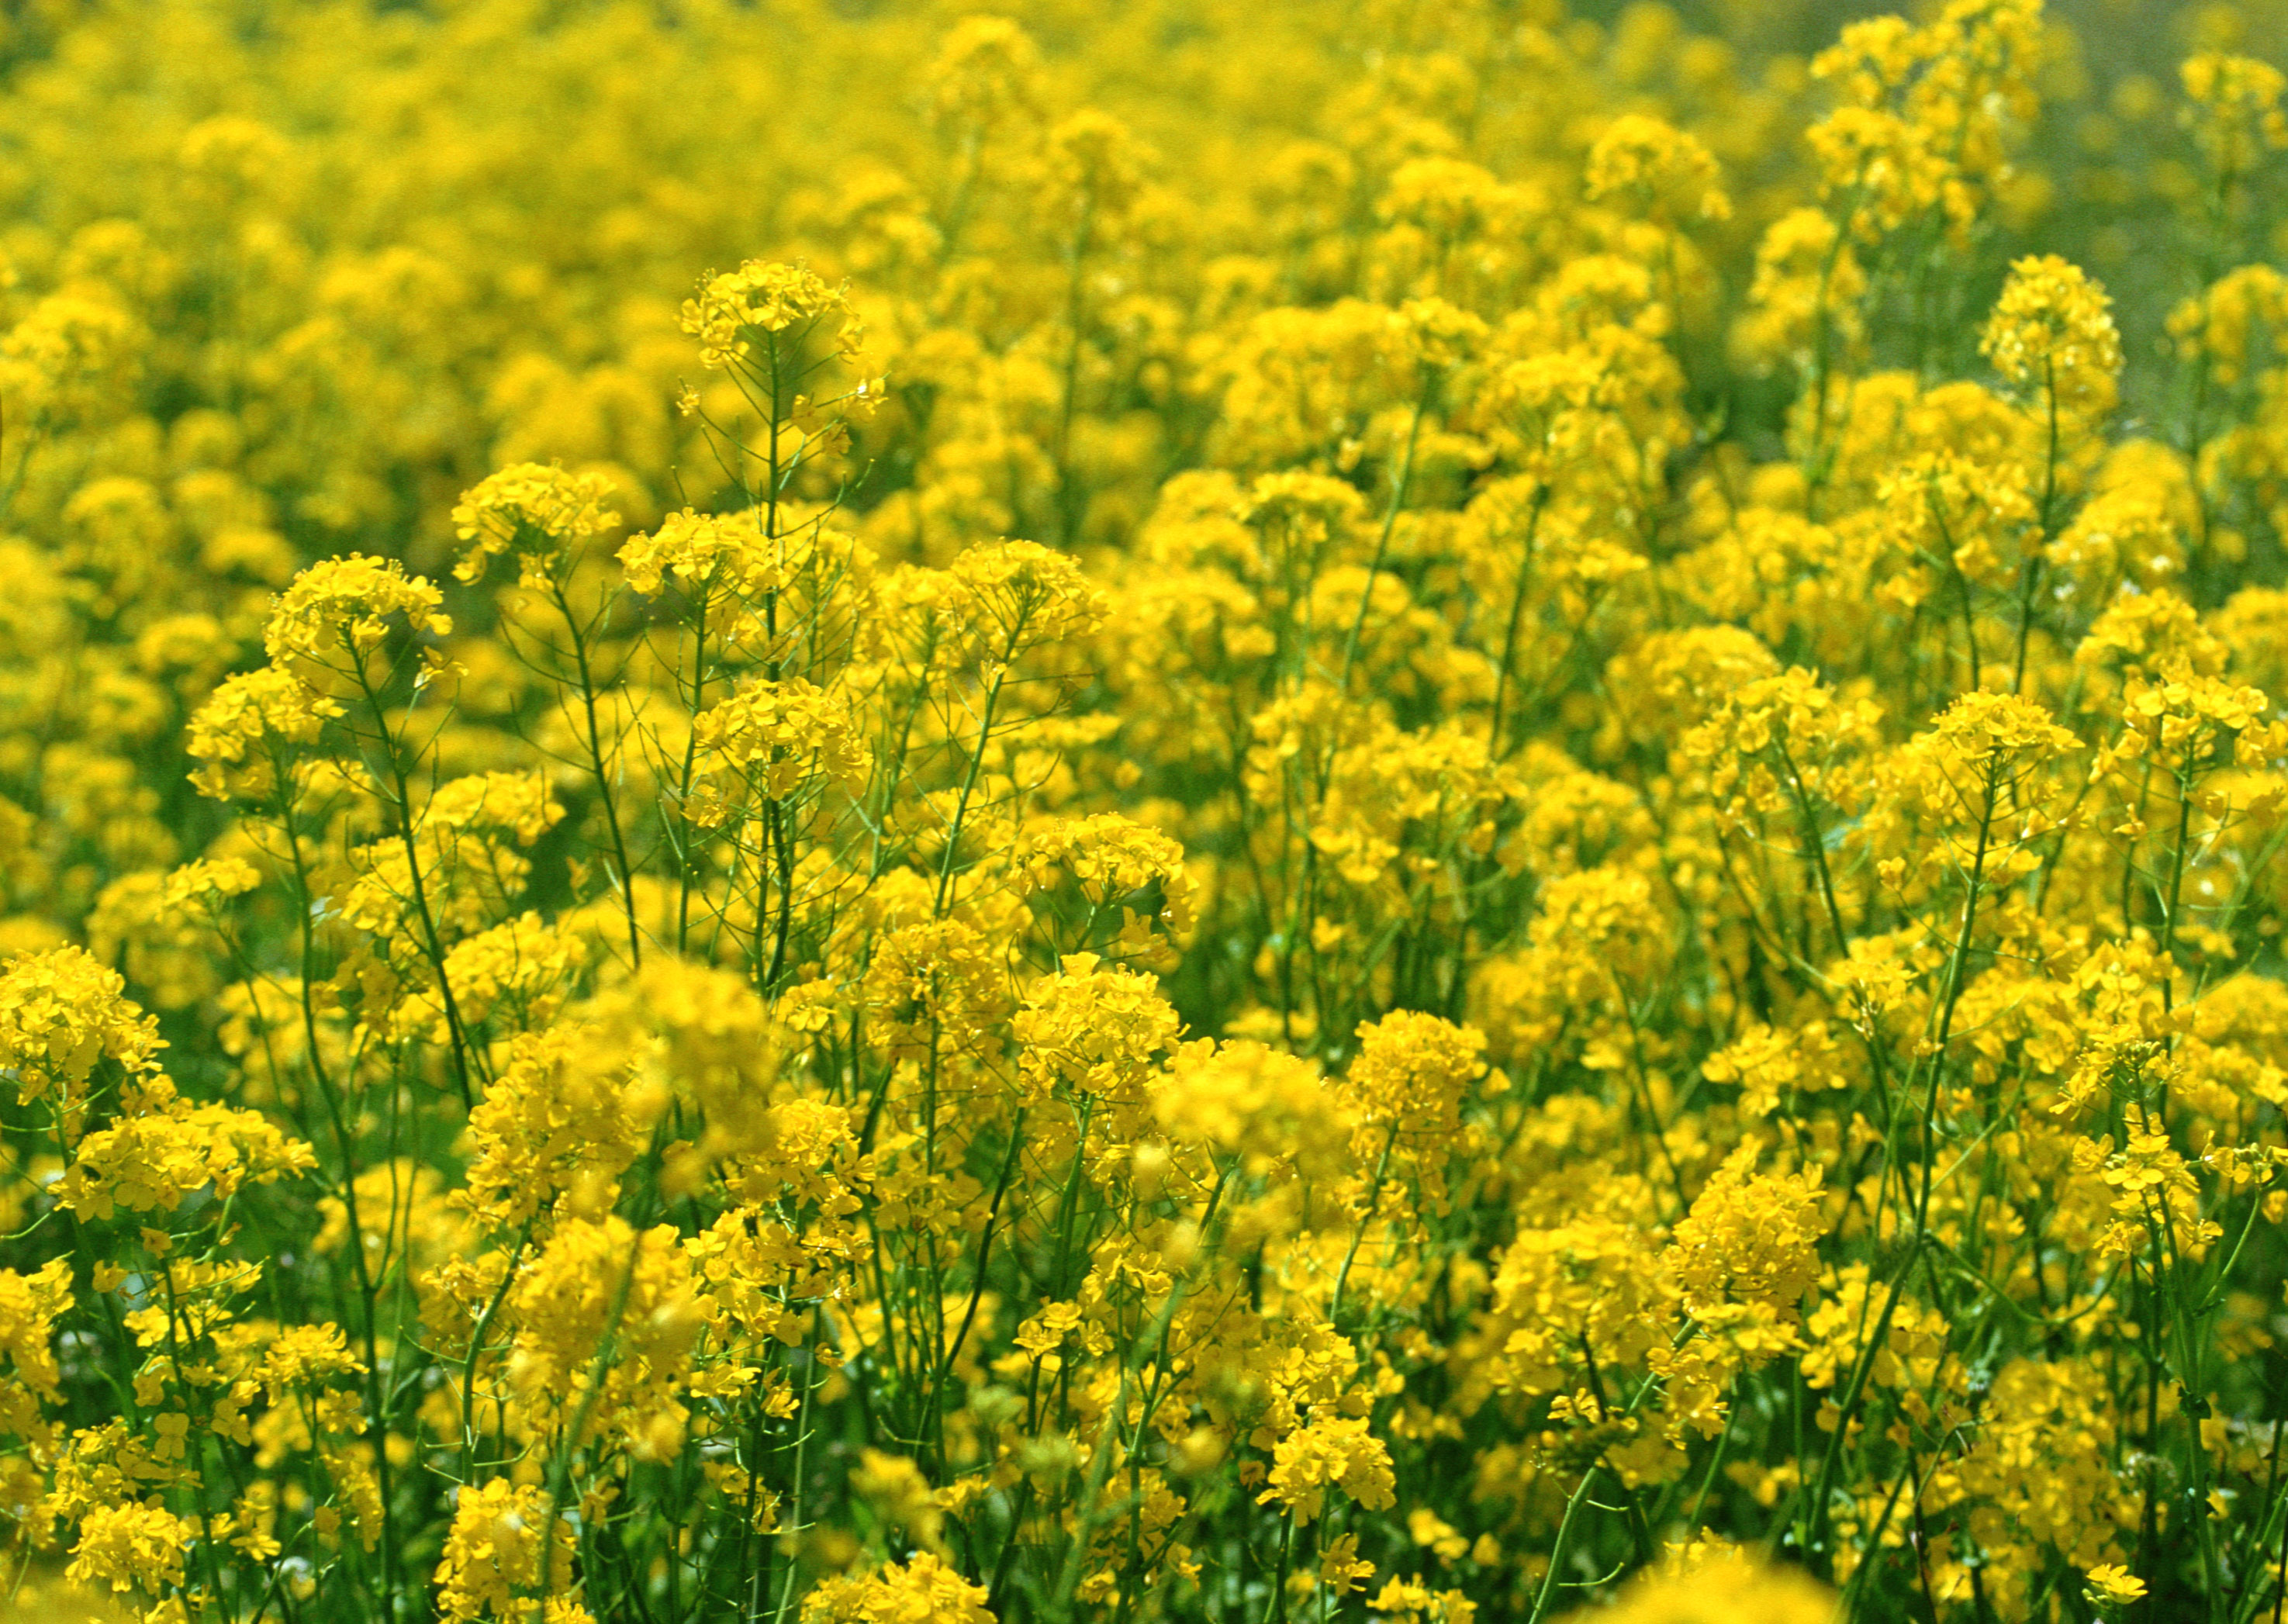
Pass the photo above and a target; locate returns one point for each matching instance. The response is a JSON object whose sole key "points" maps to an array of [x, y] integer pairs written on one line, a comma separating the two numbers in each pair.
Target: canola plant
{"points": [[1419, 810]]}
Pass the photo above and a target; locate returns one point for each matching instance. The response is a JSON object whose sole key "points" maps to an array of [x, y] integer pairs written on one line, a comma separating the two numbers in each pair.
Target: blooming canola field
{"points": [[1426, 811]]}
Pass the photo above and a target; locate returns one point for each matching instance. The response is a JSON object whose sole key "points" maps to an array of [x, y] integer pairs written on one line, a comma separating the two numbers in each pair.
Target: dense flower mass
{"points": [[1429, 810]]}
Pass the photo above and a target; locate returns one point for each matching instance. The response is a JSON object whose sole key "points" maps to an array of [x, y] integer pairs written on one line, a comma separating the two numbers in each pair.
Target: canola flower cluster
{"points": [[1438, 811]]}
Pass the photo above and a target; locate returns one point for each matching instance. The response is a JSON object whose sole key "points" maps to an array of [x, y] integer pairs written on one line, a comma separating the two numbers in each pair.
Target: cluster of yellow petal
{"points": [[1430, 811]]}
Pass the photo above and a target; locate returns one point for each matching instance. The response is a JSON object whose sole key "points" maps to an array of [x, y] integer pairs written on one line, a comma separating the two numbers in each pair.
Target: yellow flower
{"points": [[539, 513], [2112, 1585], [1662, 168], [336, 615], [2051, 335], [1336, 1453], [925, 1587], [774, 740], [736, 310], [499, 1538]]}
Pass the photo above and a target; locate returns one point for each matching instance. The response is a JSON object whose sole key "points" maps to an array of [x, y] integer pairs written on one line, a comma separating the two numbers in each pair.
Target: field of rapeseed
{"points": [[1249, 809]]}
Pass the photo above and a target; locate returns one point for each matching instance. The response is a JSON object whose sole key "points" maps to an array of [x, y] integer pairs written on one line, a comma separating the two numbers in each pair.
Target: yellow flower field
{"points": [[1423, 811]]}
